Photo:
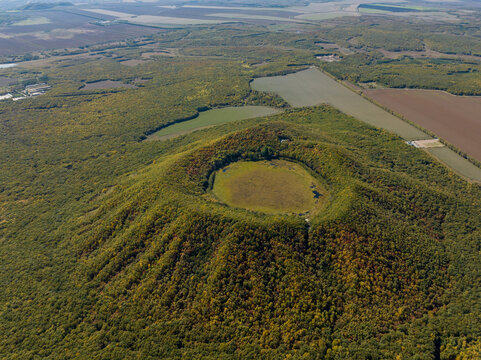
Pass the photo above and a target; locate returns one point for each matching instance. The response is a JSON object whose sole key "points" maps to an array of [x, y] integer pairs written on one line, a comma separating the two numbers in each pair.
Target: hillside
{"points": [[160, 268], [116, 244]]}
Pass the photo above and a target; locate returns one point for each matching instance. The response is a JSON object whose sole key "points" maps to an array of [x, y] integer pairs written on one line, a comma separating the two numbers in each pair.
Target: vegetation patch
{"points": [[275, 186], [106, 84], [40, 20], [211, 118]]}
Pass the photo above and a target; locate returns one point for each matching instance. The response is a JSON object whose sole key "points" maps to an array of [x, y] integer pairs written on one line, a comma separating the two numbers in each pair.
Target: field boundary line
{"points": [[419, 127]]}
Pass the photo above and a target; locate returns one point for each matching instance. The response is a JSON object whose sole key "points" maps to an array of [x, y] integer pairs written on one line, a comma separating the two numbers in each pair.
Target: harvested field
{"points": [[6, 81], [457, 119], [312, 87], [65, 29], [106, 84], [275, 186], [211, 118], [238, 16], [151, 19]]}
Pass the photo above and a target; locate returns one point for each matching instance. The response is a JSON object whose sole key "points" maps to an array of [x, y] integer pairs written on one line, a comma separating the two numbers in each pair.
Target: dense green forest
{"points": [[116, 248], [456, 76]]}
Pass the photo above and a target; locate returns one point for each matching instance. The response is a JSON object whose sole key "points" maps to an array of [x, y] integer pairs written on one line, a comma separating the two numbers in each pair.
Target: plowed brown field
{"points": [[457, 119]]}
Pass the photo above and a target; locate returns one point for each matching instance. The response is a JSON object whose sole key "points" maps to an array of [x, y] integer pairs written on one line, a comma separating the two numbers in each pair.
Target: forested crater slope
{"points": [[164, 269]]}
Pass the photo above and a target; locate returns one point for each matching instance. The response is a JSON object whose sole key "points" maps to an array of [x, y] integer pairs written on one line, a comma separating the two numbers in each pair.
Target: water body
{"points": [[211, 118], [312, 87]]}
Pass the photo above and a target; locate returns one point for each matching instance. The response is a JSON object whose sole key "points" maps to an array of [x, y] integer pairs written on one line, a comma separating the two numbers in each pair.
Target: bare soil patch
{"points": [[427, 144], [6, 81], [457, 119]]}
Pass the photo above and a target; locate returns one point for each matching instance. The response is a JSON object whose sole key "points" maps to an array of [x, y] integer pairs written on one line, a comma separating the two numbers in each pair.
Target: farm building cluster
{"points": [[29, 91]]}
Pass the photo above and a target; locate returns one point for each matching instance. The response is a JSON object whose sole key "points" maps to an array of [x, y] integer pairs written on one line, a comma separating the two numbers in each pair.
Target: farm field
{"points": [[457, 163], [211, 118], [152, 19], [454, 118], [275, 186], [41, 20], [235, 16], [311, 87], [62, 29]]}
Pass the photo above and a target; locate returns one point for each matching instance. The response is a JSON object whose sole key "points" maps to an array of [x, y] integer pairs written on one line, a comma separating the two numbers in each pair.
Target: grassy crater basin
{"points": [[275, 187]]}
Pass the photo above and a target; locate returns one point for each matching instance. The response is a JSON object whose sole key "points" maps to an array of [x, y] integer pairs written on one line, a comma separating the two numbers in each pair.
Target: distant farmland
{"points": [[456, 119], [312, 87]]}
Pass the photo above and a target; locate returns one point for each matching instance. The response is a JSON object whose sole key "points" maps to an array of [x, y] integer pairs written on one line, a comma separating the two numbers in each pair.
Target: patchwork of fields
{"points": [[456, 119], [311, 87]]}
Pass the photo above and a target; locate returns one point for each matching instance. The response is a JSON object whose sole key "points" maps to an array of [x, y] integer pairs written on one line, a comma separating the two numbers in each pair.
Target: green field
{"points": [[311, 87], [275, 186], [211, 118], [40, 20], [456, 162]]}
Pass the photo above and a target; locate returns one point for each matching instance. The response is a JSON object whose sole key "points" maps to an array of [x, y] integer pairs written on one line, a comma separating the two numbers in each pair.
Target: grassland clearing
{"points": [[275, 186], [457, 119], [39, 20], [211, 118]]}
